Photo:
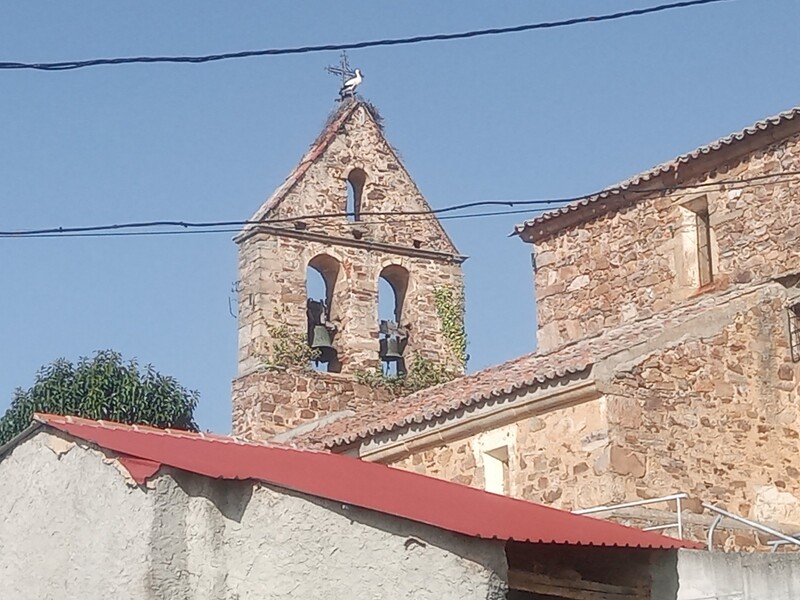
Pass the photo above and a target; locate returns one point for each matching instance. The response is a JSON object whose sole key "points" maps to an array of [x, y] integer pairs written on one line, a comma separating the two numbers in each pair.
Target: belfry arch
{"points": [[393, 331], [322, 276]]}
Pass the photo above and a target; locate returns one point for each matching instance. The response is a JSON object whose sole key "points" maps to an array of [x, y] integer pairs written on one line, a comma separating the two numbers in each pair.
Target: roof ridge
{"points": [[662, 168], [524, 372], [349, 481], [54, 419]]}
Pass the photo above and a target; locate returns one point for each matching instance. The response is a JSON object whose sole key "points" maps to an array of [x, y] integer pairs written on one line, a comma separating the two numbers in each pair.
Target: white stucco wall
{"points": [[734, 576], [70, 527], [701, 575], [74, 527]]}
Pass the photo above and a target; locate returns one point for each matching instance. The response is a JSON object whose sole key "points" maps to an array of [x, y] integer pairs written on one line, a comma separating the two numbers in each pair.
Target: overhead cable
{"points": [[139, 227], [80, 64]]}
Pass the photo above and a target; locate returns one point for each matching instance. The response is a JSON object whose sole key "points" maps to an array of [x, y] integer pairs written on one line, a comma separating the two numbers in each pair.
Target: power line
{"points": [[80, 64], [236, 229], [244, 223], [136, 228]]}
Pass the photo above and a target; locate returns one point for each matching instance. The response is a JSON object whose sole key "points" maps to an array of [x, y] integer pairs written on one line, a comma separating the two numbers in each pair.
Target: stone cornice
{"points": [[503, 410], [351, 242]]}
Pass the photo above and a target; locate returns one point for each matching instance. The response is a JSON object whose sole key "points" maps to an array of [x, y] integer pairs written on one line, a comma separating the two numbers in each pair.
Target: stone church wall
{"points": [[716, 417], [412, 252], [273, 292], [633, 262], [274, 295], [268, 402], [557, 458]]}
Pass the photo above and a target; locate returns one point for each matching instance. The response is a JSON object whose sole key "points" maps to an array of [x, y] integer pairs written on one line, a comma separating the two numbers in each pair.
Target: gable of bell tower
{"points": [[351, 213]]}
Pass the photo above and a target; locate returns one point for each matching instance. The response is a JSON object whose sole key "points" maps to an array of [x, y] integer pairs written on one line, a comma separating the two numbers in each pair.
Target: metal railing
{"points": [[611, 507], [784, 539], [776, 543], [719, 515]]}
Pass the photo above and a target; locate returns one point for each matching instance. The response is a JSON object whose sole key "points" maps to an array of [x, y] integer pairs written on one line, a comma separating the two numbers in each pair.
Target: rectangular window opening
{"points": [[495, 470], [704, 264], [794, 331], [696, 245]]}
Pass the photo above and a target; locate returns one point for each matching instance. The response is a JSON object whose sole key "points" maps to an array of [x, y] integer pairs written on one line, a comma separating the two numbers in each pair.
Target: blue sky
{"points": [[530, 115]]}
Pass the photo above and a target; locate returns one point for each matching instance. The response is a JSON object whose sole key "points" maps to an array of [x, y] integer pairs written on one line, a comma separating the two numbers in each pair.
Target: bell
{"points": [[391, 350], [321, 338]]}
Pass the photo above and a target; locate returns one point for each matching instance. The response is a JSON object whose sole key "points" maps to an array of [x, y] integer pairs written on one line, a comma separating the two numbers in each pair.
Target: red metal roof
{"points": [[344, 479]]}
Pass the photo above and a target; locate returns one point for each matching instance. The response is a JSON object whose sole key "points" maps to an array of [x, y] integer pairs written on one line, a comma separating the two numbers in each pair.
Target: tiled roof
{"points": [[353, 482], [614, 192], [526, 372]]}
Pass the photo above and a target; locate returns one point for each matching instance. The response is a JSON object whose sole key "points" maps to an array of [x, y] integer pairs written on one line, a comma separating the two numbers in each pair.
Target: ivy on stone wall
{"points": [[450, 308], [422, 373], [289, 347]]}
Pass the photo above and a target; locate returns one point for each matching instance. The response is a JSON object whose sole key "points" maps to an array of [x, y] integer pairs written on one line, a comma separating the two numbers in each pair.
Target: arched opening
{"points": [[355, 189], [393, 332], [322, 274]]}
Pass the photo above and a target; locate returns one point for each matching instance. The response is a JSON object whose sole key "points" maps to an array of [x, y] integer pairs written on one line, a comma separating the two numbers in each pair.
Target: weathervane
{"points": [[351, 78]]}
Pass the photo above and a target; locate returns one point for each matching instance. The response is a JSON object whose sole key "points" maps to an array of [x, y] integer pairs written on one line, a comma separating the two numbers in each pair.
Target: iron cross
{"points": [[343, 70]]}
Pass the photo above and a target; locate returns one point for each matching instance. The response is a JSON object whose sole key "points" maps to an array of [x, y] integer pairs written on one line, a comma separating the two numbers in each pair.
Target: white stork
{"points": [[349, 86]]}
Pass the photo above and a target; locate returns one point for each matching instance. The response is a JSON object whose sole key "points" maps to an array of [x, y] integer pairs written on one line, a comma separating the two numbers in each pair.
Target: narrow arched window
{"points": [[393, 332], [322, 274], [355, 189]]}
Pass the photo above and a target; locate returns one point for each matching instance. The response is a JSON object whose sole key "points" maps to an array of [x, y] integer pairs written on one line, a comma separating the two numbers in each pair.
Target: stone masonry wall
{"points": [[632, 262], [273, 290], [558, 458], [268, 402], [716, 418], [713, 413], [351, 255], [322, 189]]}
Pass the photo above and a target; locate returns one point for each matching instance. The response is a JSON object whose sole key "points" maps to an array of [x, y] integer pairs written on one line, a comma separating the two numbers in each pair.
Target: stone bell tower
{"points": [[301, 358]]}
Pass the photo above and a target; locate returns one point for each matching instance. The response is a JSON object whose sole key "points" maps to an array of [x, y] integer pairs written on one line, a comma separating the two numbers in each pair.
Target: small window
{"points": [[696, 245], [495, 470], [355, 189], [704, 264], [794, 331]]}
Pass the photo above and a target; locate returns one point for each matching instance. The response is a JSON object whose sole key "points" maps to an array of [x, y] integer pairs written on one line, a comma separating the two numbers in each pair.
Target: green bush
{"points": [[103, 387]]}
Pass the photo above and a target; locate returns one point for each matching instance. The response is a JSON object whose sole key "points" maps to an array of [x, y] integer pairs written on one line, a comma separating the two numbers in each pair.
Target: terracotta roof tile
{"points": [[642, 178], [526, 372]]}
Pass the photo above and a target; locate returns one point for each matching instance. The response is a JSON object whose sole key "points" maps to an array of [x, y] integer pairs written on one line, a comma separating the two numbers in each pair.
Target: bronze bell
{"points": [[321, 338], [391, 350]]}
